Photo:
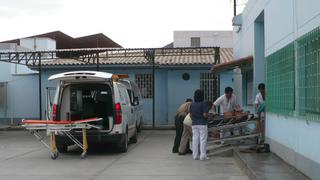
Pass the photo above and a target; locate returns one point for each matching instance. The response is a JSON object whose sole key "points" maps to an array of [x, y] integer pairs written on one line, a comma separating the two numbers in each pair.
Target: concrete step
{"points": [[266, 166]]}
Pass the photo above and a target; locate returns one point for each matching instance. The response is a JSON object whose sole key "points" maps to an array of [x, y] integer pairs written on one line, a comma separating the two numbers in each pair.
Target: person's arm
{"points": [[256, 102], [205, 114], [237, 108], [214, 108], [217, 103], [190, 111], [236, 104], [205, 110]]}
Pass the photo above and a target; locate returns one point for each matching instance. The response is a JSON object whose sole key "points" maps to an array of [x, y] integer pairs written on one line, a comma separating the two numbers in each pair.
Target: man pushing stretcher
{"points": [[227, 102], [229, 106]]}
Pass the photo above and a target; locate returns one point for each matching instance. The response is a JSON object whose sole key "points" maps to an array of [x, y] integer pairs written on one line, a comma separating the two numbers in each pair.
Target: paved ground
{"points": [[22, 157]]}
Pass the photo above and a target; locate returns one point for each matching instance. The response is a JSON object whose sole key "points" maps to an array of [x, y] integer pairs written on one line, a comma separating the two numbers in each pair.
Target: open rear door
{"points": [[49, 102], [82, 75]]}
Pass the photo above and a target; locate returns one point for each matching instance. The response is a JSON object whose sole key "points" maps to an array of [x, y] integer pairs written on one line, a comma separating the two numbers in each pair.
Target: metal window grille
{"points": [[208, 83], [144, 82], [309, 75], [195, 42], [280, 81], [3, 95]]}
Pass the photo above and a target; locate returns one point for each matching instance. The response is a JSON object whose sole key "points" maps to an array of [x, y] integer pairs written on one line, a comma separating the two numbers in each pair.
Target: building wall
{"points": [[38, 43], [291, 137], [21, 89], [22, 98], [179, 90], [171, 90], [5, 70], [221, 39], [226, 79]]}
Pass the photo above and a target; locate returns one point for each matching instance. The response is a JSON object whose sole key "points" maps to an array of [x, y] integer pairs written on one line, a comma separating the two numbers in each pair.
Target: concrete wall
{"points": [[292, 138], [21, 89], [226, 79], [22, 83], [5, 72], [179, 90], [12, 47], [38, 43], [207, 38], [22, 98]]}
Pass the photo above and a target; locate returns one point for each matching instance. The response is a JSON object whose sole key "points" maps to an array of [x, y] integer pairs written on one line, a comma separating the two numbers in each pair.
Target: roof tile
{"points": [[175, 58]]}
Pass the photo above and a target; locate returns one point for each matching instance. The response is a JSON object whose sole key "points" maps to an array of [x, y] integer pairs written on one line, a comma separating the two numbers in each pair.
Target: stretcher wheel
{"points": [[83, 155], [54, 155]]}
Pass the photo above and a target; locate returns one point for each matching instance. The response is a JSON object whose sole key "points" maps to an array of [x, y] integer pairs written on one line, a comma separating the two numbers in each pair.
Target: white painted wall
{"points": [[221, 39], [38, 43], [284, 22], [13, 68], [22, 83]]}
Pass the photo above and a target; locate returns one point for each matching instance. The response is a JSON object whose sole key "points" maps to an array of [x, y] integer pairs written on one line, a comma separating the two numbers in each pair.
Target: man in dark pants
{"points": [[178, 122]]}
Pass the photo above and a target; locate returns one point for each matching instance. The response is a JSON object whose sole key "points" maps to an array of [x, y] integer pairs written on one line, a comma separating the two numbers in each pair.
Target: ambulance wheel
{"points": [[139, 128], [123, 145], [134, 138]]}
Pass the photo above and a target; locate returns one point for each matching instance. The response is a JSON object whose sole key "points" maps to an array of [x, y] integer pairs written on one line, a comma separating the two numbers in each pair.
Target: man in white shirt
{"points": [[227, 102], [260, 109], [260, 97]]}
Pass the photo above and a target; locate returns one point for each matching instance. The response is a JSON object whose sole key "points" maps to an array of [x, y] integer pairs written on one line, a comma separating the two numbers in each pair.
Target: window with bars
{"points": [[195, 42], [309, 75], [208, 83], [280, 81], [144, 82]]}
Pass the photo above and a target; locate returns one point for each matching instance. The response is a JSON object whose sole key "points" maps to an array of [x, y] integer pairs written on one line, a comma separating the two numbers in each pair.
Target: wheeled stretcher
{"points": [[53, 128], [226, 133]]}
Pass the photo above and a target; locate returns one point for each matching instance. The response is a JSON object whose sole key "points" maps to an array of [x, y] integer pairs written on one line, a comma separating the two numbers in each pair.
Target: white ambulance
{"points": [[88, 94]]}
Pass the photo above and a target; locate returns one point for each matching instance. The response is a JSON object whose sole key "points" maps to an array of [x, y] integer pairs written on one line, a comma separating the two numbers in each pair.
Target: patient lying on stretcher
{"points": [[228, 118], [231, 117], [229, 107]]}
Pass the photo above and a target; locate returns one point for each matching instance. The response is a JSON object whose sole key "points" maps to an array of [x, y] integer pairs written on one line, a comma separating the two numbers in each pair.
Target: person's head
{"points": [[189, 100], [261, 88], [198, 95], [183, 110], [228, 91]]}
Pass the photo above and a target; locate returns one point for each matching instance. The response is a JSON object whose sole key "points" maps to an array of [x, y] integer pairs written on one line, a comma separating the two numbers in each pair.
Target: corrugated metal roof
{"points": [[245, 61], [64, 41], [226, 55], [175, 57]]}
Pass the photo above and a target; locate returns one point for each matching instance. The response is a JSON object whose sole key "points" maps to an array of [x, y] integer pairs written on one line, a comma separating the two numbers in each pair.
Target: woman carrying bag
{"points": [[186, 135], [180, 115]]}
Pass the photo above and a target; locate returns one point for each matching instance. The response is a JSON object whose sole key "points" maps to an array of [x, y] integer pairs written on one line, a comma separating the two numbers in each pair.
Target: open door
{"points": [[49, 102]]}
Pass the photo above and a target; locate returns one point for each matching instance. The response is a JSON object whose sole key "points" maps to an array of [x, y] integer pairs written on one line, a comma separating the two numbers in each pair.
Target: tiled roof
{"points": [[206, 57]]}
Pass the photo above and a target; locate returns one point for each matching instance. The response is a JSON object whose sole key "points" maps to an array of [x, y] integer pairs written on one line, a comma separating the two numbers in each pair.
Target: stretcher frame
{"points": [[54, 128], [247, 139]]}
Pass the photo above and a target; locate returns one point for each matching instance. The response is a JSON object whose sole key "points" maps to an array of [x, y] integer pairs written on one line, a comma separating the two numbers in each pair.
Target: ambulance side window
{"points": [[123, 96]]}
